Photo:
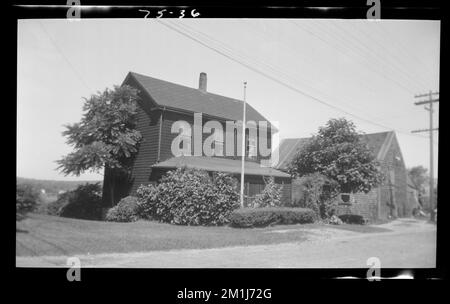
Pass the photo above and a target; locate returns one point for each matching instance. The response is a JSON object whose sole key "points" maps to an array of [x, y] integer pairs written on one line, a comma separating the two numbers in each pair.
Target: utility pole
{"points": [[429, 102], [243, 147]]}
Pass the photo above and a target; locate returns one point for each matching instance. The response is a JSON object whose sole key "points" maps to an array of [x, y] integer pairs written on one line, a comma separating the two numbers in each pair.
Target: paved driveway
{"points": [[409, 243]]}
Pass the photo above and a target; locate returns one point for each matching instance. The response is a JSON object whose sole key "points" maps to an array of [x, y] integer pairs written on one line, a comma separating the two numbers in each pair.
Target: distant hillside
{"points": [[52, 186]]}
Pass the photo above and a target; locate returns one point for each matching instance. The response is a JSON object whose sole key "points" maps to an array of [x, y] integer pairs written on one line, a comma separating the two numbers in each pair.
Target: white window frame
{"points": [[218, 142], [186, 133], [253, 148]]}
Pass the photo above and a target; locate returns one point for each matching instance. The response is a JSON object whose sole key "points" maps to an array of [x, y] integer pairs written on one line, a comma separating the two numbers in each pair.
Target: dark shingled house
{"points": [[161, 104], [389, 199]]}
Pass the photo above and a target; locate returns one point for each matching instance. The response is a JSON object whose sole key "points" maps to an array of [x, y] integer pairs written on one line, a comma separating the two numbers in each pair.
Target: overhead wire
{"points": [[223, 52], [58, 49]]}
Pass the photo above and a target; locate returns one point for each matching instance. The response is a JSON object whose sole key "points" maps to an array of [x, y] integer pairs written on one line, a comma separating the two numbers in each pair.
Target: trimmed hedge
{"points": [[353, 219], [125, 211], [263, 217]]}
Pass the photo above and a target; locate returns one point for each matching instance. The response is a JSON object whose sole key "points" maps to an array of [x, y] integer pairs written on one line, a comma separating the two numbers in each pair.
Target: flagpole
{"points": [[243, 147]]}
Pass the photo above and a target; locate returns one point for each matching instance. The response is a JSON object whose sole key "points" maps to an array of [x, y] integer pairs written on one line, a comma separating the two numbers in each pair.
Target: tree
{"points": [[419, 177], [85, 202], [105, 137], [338, 153], [27, 198]]}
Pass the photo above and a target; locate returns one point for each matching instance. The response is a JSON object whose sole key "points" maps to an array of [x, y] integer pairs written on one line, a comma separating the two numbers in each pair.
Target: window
{"points": [[251, 148], [182, 143], [235, 148], [186, 136], [218, 144], [255, 189]]}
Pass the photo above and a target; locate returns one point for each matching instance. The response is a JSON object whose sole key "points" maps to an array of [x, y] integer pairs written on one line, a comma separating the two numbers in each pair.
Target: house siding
{"points": [[394, 198], [167, 136], [148, 149], [365, 204]]}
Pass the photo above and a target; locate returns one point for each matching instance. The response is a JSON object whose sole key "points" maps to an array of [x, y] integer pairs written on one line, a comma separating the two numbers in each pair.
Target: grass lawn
{"points": [[39, 235]]}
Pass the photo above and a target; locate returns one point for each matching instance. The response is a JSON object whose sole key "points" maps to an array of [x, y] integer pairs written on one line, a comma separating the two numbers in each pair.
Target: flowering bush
{"points": [[125, 211], [269, 197], [190, 197]]}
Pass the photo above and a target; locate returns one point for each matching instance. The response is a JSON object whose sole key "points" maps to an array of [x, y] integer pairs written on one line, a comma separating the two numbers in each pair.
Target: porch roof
{"points": [[219, 164]]}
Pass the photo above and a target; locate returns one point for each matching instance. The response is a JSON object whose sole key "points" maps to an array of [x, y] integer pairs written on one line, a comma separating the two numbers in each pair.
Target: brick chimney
{"points": [[202, 82]]}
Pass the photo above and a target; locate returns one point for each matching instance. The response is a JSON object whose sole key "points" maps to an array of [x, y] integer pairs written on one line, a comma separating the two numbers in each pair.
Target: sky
{"points": [[299, 73]]}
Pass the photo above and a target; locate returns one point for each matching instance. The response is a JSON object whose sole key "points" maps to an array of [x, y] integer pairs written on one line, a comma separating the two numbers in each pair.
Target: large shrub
{"points": [[26, 199], [85, 202], [262, 217], [318, 194], [269, 197], [190, 197], [125, 211], [227, 189], [147, 201]]}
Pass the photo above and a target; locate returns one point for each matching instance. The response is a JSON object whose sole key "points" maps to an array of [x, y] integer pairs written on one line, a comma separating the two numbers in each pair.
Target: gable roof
{"points": [[175, 96], [287, 149], [378, 143]]}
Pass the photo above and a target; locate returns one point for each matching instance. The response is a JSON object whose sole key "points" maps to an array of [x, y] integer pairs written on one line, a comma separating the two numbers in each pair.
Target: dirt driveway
{"points": [[408, 243]]}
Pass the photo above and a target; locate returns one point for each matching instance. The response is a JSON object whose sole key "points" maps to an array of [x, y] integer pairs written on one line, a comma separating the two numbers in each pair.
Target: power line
{"points": [[358, 79], [255, 61], [280, 82], [359, 50], [360, 54], [424, 130], [399, 58], [342, 50], [78, 75], [222, 45], [256, 70], [393, 65], [405, 49]]}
